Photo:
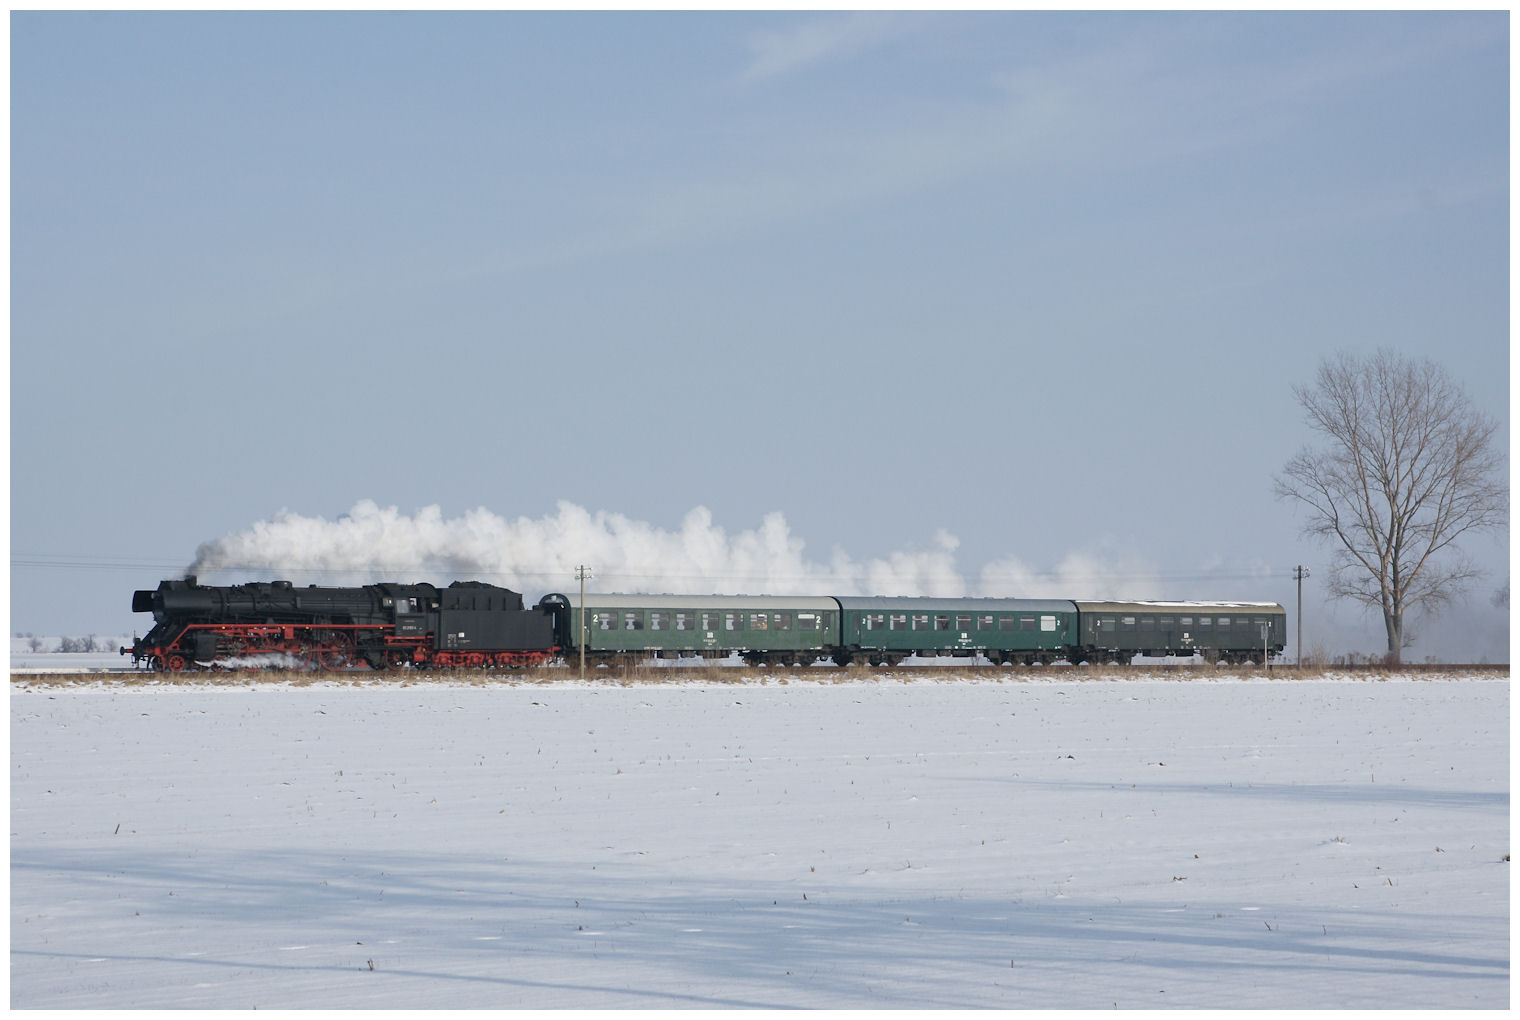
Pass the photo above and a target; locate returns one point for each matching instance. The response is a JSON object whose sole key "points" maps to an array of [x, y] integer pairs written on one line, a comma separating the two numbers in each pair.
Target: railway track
{"points": [[745, 674]]}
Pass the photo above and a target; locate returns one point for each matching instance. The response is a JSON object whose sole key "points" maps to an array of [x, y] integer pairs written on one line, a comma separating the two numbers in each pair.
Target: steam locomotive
{"points": [[275, 624]]}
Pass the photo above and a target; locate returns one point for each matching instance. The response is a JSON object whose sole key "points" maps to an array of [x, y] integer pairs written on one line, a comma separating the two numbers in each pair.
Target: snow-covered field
{"points": [[1043, 842]]}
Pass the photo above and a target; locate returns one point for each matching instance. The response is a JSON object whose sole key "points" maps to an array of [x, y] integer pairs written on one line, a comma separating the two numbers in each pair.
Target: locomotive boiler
{"points": [[390, 625]]}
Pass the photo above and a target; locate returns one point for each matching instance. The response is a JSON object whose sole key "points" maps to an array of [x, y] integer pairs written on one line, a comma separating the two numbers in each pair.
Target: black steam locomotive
{"points": [[275, 624]]}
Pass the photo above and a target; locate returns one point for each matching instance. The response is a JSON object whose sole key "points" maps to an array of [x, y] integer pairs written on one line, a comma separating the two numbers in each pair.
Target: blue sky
{"points": [[1005, 288]]}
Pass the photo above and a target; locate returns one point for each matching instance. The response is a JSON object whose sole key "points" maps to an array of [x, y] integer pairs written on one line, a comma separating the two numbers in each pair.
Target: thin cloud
{"points": [[819, 41], [1125, 104]]}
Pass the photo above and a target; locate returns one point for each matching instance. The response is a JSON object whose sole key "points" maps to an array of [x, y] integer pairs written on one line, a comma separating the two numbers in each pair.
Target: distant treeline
{"points": [[88, 643]]}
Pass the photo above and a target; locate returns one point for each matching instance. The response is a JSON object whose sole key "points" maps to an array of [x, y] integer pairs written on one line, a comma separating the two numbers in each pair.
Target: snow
{"points": [[48, 660], [1015, 843]]}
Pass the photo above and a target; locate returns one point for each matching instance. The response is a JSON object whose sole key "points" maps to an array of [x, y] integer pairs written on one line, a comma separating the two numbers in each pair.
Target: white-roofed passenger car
{"points": [[1219, 631]]}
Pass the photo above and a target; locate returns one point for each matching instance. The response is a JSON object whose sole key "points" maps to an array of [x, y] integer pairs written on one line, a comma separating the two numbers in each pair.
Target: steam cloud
{"points": [[373, 543]]}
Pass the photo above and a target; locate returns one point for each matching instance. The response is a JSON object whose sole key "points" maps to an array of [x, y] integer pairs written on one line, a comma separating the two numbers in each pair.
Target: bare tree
{"points": [[1409, 467]]}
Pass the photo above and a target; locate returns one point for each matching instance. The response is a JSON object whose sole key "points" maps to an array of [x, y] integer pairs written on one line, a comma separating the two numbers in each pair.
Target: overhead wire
{"points": [[99, 562]]}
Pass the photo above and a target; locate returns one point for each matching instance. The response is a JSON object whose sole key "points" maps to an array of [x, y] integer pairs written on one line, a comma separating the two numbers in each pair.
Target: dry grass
{"points": [[629, 676]]}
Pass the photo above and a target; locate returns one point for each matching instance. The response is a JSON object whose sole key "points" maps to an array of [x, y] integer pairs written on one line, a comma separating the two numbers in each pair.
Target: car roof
{"points": [[1194, 607], [908, 604], [747, 602]]}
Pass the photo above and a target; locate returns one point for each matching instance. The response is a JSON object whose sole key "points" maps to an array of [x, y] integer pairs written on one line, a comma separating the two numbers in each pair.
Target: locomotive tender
{"points": [[473, 624]]}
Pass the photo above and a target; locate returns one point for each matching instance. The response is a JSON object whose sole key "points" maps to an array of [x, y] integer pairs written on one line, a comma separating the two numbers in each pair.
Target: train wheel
{"points": [[334, 657], [175, 664]]}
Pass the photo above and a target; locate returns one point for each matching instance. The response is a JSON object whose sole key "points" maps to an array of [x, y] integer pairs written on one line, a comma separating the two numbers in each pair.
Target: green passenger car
{"points": [[884, 630], [764, 629], [1231, 631]]}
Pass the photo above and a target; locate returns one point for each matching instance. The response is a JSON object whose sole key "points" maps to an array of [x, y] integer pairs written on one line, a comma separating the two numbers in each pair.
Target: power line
{"points": [[46, 561], [42, 561]]}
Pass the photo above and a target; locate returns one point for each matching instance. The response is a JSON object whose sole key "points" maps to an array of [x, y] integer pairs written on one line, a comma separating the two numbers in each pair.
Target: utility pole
{"points": [[582, 572], [1300, 573]]}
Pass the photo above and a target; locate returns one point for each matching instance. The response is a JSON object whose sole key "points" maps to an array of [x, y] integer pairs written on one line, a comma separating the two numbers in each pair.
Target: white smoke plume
{"points": [[372, 543], [1079, 575], [537, 555]]}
